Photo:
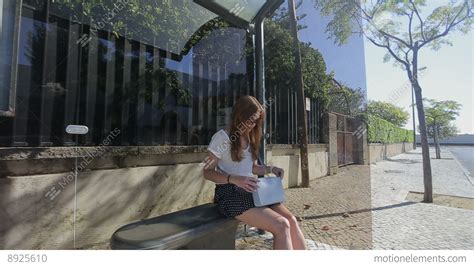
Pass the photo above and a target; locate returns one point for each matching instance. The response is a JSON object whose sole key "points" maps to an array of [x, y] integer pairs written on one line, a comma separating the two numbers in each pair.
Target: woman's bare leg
{"points": [[297, 238], [267, 219]]}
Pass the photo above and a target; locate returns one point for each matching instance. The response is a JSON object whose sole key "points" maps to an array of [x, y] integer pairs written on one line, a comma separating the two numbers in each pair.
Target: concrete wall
{"points": [[117, 187], [106, 199], [288, 157], [379, 152]]}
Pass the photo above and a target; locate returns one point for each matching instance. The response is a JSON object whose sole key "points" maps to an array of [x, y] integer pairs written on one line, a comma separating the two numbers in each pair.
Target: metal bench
{"points": [[200, 227]]}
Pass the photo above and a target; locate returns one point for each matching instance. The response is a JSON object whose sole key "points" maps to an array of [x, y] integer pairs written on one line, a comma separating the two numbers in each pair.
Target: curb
{"points": [[467, 174]]}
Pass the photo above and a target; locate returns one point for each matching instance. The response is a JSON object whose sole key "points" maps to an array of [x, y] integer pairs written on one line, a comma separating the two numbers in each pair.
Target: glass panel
{"points": [[111, 78], [136, 80], [245, 9], [167, 25], [342, 92], [7, 29], [334, 84]]}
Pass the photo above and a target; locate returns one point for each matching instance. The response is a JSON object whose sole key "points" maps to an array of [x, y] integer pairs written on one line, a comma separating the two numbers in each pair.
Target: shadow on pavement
{"points": [[404, 161], [359, 211]]}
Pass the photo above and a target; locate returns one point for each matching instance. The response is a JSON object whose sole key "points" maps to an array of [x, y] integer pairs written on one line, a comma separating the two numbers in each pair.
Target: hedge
{"points": [[382, 131]]}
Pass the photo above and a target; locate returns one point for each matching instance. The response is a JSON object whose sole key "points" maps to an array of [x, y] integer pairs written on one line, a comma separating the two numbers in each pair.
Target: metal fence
{"points": [[282, 117]]}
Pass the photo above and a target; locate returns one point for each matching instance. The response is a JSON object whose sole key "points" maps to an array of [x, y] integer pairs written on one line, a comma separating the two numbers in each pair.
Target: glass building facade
{"points": [[167, 80], [137, 73], [161, 72]]}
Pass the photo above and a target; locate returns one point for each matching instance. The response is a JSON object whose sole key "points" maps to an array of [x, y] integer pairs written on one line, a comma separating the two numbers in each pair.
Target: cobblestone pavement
{"points": [[400, 224], [250, 239], [334, 212], [364, 207]]}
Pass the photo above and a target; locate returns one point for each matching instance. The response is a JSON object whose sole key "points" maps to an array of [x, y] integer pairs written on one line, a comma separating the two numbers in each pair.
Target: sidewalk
{"points": [[334, 212], [420, 225], [364, 207]]}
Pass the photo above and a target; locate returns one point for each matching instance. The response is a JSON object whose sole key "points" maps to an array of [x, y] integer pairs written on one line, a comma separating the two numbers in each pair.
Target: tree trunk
{"points": [[436, 141], [413, 115], [425, 148], [302, 128]]}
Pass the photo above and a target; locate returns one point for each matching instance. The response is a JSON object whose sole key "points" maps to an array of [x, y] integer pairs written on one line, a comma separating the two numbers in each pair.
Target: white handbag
{"points": [[269, 191]]}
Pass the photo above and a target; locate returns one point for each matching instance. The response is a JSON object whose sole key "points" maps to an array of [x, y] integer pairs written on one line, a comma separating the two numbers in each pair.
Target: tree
{"points": [[389, 112], [439, 120], [302, 127], [372, 20], [168, 23], [316, 82], [280, 63], [279, 66], [346, 100]]}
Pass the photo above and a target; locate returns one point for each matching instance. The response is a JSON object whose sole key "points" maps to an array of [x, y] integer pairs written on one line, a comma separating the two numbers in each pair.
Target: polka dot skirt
{"points": [[232, 200]]}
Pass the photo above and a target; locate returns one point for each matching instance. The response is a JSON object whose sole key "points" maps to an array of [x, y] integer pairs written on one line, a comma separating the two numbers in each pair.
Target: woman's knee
{"points": [[286, 213], [281, 226], [292, 220]]}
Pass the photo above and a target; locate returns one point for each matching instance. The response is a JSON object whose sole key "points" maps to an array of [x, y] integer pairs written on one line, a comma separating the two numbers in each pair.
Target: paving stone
{"points": [[364, 207]]}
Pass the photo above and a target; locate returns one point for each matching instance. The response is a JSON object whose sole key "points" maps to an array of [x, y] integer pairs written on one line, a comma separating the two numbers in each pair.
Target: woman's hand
{"points": [[248, 183], [278, 171]]}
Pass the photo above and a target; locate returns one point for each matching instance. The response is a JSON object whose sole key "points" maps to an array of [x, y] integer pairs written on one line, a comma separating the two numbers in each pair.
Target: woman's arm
{"points": [[217, 177], [248, 183], [211, 174], [262, 170]]}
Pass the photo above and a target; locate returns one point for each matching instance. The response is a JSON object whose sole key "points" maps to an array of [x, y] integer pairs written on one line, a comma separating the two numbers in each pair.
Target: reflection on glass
{"points": [[163, 73], [7, 28], [167, 25], [245, 9]]}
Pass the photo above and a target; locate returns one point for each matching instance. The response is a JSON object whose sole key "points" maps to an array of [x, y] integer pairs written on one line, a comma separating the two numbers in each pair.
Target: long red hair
{"points": [[246, 110]]}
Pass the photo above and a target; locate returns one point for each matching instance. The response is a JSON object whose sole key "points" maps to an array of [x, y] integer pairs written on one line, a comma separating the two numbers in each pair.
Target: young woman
{"points": [[234, 151]]}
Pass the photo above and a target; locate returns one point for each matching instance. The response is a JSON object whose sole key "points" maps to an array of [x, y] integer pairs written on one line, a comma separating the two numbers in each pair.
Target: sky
{"points": [[347, 61], [448, 75]]}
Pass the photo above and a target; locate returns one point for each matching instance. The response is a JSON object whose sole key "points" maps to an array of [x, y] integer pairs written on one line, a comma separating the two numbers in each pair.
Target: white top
{"points": [[220, 147]]}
